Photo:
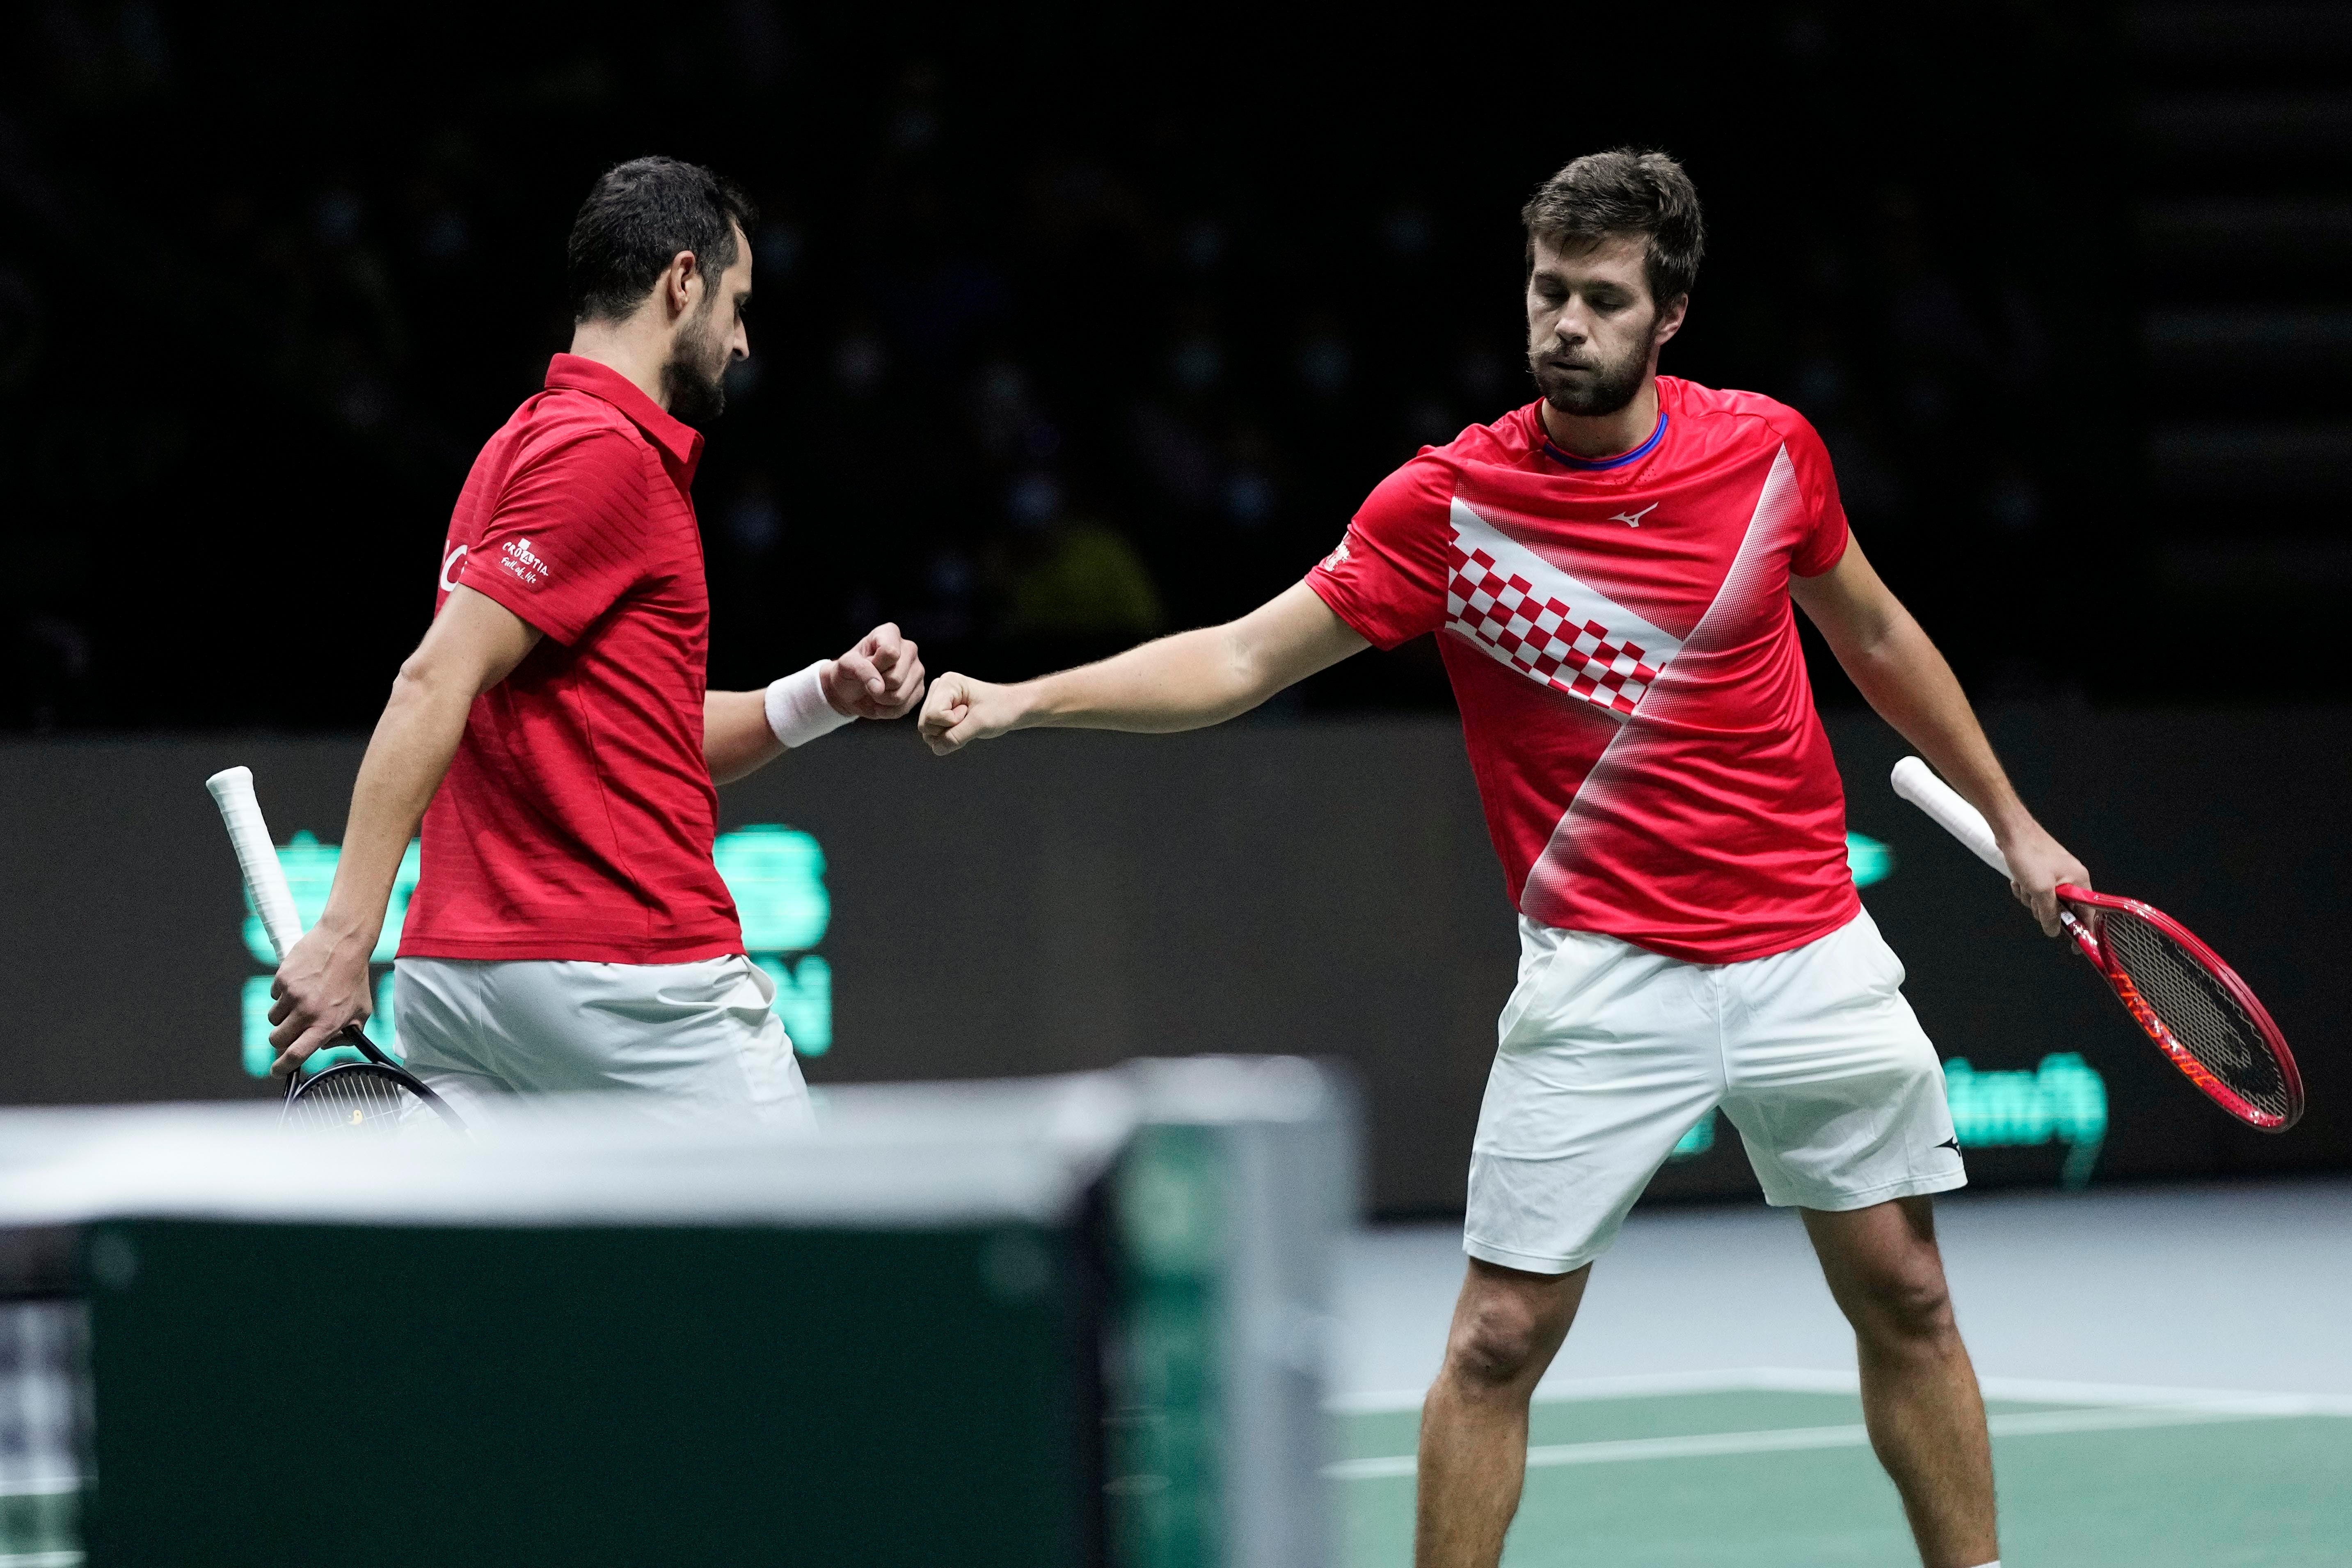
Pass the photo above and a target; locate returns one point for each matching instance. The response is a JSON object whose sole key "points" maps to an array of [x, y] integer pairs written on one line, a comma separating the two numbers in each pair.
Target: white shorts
{"points": [[701, 1035], [1608, 1053]]}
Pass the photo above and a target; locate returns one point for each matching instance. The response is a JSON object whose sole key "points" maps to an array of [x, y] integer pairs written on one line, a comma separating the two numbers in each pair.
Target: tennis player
{"points": [[1611, 570], [569, 929]]}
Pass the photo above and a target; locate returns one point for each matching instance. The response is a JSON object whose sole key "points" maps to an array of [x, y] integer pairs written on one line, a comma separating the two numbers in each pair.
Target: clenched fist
{"points": [[880, 678], [961, 711]]}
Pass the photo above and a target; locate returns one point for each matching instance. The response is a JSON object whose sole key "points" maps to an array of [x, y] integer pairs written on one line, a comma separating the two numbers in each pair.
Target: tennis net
{"points": [[1069, 1321], [43, 1404]]}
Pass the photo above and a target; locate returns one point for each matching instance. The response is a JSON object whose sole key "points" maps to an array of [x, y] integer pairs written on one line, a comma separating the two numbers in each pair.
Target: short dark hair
{"points": [[637, 217], [1627, 190]]}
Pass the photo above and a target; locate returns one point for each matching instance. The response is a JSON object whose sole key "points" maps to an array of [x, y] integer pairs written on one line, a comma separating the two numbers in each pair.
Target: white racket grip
{"points": [[257, 856], [1915, 782]]}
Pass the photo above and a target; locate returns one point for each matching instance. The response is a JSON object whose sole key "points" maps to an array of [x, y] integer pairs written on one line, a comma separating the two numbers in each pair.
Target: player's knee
{"points": [[1497, 1339], [1904, 1305]]}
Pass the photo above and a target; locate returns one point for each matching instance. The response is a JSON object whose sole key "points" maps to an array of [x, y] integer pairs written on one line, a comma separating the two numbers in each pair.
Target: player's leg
{"points": [[1839, 1098], [702, 1037], [1919, 1394], [1605, 1056], [438, 1005], [1508, 1325]]}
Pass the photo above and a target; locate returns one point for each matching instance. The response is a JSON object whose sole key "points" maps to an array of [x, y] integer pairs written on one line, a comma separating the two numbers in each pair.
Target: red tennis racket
{"points": [[2199, 1013]]}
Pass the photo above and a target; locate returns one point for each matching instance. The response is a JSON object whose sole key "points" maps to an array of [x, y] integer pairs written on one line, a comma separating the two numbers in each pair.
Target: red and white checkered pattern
{"points": [[1528, 613]]}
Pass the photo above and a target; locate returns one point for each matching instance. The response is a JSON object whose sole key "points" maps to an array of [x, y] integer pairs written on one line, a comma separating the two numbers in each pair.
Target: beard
{"points": [[1594, 386], [694, 380]]}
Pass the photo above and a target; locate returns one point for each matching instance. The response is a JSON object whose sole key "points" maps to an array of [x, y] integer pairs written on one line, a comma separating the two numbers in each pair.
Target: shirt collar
{"points": [[1593, 465], [679, 442]]}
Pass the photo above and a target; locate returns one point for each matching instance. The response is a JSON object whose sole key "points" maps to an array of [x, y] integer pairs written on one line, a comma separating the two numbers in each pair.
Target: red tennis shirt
{"points": [[1620, 642], [577, 818]]}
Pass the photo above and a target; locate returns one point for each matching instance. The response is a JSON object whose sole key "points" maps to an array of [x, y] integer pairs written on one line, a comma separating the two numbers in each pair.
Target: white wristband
{"points": [[797, 711]]}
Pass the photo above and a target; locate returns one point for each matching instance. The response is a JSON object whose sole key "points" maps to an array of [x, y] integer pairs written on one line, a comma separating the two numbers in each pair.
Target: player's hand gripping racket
{"points": [[2193, 1005], [371, 1095]]}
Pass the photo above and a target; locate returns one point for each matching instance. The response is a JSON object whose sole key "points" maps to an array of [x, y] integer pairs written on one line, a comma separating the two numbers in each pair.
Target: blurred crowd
{"points": [[1062, 337]]}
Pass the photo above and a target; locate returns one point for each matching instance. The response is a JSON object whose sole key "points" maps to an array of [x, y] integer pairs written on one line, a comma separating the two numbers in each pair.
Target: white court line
{"points": [[2035, 1424], [1807, 1380], [2119, 1394], [1637, 1386]]}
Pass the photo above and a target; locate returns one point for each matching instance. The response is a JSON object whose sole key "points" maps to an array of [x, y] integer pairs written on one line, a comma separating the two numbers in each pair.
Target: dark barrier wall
{"points": [[1055, 901]]}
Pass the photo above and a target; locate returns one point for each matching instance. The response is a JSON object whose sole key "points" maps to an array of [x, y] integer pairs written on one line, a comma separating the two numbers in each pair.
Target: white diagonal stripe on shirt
{"points": [[1615, 777], [1553, 627]]}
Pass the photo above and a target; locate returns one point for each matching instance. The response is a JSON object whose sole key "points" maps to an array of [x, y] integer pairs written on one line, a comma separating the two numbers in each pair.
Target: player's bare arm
{"points": [[475, 643], [881, 678], [1903, 675], [1188, 681]]}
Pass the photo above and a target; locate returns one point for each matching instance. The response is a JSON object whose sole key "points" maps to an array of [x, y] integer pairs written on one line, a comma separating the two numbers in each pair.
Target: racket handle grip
{"points": [[1917, 782], [257, 856]]}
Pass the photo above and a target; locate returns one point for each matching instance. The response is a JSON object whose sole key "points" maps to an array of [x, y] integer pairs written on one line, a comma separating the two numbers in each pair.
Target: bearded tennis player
{"points": [[1609, 570], [570, 931]]}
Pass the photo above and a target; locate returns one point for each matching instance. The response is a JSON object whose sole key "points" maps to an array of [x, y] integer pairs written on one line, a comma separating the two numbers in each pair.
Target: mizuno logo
{"points": [[1952, 1143], [1634, 519]]}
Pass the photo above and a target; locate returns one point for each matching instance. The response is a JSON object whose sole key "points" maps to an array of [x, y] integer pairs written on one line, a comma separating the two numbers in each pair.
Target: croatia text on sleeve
{"points": [[560, 548]]}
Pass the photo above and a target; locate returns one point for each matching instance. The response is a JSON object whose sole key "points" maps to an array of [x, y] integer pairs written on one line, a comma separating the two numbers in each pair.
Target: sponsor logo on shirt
{"points": [[1634, 519], [520, 561], [450, 570], [1338, 557], [1521, 610]]}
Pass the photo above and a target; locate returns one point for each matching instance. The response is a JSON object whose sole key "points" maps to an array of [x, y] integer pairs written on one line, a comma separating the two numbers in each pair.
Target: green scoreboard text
{"points": [[775, 873]]}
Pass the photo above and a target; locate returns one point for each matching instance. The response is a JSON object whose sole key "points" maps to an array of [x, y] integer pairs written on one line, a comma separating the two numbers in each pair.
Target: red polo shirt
{"points": [[577, 818]]}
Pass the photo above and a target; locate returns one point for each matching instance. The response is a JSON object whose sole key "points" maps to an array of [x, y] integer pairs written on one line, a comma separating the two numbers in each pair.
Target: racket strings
{"points": [[351, 1096], [2207, 1022]]}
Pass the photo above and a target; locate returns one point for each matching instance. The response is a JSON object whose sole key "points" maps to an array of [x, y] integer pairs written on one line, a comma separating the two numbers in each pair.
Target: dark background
{"points": [[1072, 328], [1061, 902], [1073, 325]]}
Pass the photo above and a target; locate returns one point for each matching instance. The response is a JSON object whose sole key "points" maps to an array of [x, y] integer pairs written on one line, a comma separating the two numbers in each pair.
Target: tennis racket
{"points": [[2199, 1013], [375, 1094]]}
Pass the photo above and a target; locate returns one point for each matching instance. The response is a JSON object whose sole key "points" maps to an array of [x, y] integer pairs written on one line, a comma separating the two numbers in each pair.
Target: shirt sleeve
{"points": [[1823, 544], [1387, 578], [564, 541]]}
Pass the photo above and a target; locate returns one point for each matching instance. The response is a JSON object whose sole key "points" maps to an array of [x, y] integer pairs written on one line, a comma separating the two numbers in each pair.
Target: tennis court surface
{"points": [[1704, 1410], [1770, 1467]]}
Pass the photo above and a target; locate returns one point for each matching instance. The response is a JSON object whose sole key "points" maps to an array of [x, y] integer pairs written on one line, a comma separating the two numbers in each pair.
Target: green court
{"points": [[1772, 1471]]}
